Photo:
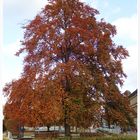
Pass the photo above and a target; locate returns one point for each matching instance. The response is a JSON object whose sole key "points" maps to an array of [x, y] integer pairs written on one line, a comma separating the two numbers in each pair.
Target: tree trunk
{"points": [[108, 121], [59, 128], [76, 129], [67, 129], [66, 84], [108, 117], [66, 125], [66, 109], [48, 128], [54, 127]]}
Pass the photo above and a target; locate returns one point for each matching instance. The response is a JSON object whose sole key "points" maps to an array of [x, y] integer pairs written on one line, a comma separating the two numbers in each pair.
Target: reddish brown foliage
{"points": [[71, 68]]}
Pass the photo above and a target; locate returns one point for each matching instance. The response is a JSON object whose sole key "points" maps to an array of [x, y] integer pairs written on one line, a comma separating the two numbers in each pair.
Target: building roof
{"points": [[133, 94]]}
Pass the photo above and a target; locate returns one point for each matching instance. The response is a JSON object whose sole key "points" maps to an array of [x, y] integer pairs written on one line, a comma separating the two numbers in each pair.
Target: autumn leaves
{"points": [[72, 69]]}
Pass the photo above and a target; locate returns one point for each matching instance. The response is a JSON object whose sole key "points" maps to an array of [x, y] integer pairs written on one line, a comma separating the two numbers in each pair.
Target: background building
{"points": [[133, 103]]}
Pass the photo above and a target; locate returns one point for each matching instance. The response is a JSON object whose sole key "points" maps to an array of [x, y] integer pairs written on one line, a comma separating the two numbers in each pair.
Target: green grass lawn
{"points": [[116, 137], [5, 138], [111, 137]]}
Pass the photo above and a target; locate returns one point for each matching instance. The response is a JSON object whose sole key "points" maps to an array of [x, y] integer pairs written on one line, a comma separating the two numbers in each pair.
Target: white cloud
{"points": [[11, 49], [127, 27], [22, 9], [11, 64], [127, 34], [130, 68]]}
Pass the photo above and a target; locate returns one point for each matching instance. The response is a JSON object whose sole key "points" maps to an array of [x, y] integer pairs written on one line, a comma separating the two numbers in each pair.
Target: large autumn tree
{"points": [[72, 69]]}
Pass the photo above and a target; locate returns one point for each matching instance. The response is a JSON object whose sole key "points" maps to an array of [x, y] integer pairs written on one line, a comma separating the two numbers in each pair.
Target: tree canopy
{"points": [[72, 69]]}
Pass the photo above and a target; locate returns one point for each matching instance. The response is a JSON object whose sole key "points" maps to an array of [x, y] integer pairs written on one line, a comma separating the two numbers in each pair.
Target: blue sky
{"points": [[122, 13]]}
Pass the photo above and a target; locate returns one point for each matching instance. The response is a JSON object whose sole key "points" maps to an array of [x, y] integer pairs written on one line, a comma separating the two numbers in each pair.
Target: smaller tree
{"points": [[12, 126], [119, 112]]}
